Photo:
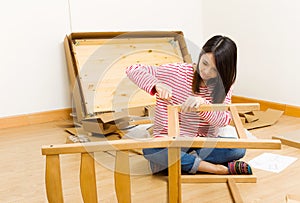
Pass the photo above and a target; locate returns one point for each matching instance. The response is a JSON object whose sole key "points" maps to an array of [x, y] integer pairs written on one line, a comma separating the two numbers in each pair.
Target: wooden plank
{"points": [[292, 198], [237, 122], [80, 42], [204, 178], [135, 34], [173, 121], [225, 107], [197, 142], [237, 198], [264, 105], [53, 179], [88, 178], [291, 138], [122, 177], [174, 175], [74, 86]]}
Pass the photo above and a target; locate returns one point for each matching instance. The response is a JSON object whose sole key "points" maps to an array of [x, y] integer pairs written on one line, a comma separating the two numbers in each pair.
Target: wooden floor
{"points": [[22, 171]]}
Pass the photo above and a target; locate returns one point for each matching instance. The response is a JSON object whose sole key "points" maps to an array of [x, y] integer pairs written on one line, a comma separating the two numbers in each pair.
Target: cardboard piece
{"points": [[264, 118], [258, 119], [291, 138], [250, 118], [96, 65]]}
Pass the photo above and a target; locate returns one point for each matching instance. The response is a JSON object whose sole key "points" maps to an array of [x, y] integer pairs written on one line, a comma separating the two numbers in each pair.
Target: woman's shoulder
{"points": [[179, 66]]}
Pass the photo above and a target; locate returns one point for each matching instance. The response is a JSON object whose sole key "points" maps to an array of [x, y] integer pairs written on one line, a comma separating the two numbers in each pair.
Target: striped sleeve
{"points": [[144, 76], [218, 118]]}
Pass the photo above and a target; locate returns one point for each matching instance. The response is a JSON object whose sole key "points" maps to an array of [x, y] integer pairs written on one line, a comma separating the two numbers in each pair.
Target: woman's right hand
{"points": [[164, 91]]}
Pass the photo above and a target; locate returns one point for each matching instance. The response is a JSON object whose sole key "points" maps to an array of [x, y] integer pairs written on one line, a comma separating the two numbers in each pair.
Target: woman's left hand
{"points": [[192, 103]]}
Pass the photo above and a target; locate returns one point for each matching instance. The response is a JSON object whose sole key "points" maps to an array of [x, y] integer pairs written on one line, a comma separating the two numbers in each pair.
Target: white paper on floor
{"points": [[271, 162]]}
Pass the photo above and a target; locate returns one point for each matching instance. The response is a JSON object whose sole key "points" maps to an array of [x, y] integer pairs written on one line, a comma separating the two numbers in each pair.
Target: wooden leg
{"points": [[237, 198], [122, 177], [88, 178], [237, 122], [174, 182], [53, 179]]}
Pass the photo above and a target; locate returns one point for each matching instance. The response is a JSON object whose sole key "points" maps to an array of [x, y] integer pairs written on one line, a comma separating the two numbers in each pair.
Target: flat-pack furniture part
{"points": [[174, 143], [97, 62]]}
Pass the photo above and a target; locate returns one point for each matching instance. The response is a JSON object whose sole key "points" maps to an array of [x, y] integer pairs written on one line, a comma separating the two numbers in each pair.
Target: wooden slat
{"points": [[122, 177], [74, 86], [203, 178], [127, 34], [80, 42], [88, 178], [290, 138], [237, 122], [173, 121], [237, 198], [174, 183], [197, 142], [225, 107], [53, 179]]}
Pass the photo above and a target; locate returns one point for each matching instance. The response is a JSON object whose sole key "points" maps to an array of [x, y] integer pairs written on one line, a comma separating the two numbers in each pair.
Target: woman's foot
{"points": [[239, 168], [233, 168], [213, 168]]}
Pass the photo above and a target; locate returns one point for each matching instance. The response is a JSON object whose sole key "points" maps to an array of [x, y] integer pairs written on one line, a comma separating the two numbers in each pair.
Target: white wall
{"points": [[268, 36], [135, 15], [33, 73], [33, 76]]}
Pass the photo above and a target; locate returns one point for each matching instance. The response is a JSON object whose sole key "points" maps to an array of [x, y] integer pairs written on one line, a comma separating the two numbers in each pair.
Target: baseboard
{"points": [[289, 110], [35, 118]]}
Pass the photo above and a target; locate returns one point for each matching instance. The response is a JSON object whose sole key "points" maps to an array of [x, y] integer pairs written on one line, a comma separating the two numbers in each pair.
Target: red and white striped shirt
{"points": [[179, 77]]}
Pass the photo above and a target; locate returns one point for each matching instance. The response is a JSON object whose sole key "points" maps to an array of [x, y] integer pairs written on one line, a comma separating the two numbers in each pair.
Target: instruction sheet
{"points": [[271, 162]]}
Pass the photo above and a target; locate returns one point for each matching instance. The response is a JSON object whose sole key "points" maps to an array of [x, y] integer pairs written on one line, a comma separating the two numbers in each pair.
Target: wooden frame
{"points": [[82, 91], [174, 131], [122, 171]]}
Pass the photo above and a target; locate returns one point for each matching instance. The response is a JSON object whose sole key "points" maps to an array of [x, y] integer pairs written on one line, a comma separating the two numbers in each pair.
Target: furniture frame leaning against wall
{"points": [[174, 143]]}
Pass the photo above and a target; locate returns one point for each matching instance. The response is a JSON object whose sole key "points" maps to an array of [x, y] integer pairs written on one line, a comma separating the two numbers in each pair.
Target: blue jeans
{"points": [[190, 162]]}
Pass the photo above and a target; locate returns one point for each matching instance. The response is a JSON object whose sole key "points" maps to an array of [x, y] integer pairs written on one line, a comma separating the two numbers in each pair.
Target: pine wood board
{"points": [[104, 83], [212, 178], [291, 138]]}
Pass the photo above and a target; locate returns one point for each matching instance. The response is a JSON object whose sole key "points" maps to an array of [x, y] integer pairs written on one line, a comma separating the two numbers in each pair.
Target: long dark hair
{"points": [[225, 54]]}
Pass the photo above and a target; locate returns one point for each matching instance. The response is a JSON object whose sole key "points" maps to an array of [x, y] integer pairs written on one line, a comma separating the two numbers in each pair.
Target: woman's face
{"points": [[207, 67]]}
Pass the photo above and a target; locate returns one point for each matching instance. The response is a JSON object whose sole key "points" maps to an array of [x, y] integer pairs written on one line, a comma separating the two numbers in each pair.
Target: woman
{"points": [[178, 83]]}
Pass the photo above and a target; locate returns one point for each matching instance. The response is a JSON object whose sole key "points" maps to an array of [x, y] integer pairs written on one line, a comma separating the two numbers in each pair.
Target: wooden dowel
{"points": [[53, 179], [88, 178]]}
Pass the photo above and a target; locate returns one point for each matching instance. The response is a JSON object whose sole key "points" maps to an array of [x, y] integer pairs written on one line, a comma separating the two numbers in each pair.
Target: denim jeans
{"points": [[158, 157]]}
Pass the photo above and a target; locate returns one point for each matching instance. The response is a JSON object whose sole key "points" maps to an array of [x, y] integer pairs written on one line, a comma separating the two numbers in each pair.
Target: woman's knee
{"points": [[238, 153]]}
